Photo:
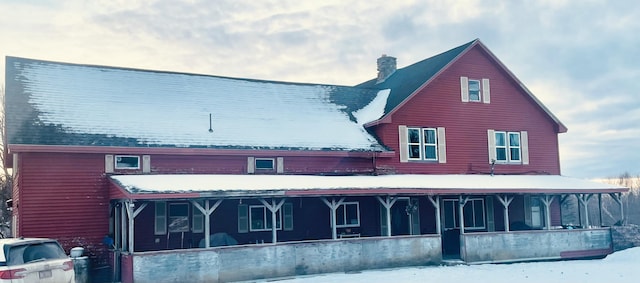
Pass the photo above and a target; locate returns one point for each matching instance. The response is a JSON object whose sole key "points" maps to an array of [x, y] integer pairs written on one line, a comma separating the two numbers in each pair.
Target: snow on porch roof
{"points": [[137, 186]]}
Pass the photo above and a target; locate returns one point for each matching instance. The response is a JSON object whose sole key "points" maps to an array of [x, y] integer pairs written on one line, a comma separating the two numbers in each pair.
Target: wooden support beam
{"points": [[333, 205], [505, 201], [546, 200], [436, 204], [131, 215], [618, 198], [461, 202], [584, 200], [388, 202], [273, 207], [207, 210]]}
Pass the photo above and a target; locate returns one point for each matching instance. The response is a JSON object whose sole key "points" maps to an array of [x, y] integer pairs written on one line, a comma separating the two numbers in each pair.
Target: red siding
{"points": [[466, 124], [64, 196]]}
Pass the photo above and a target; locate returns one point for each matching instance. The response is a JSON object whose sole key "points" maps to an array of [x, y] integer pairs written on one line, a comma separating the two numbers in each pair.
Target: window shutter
{"points": [[280, 165], [442, 146], [108, 163], [243, 218], [486, 91], [404, 151], [491, 137], [146, 164], [287, 210], [524, 147], [491, 224], [251, 165], [464, 89], [160, 218]]}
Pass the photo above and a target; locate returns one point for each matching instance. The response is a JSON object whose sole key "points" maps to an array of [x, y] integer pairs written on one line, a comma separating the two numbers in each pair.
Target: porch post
{"points": [[207, 211], [116, 226], [388, 202], [618, 198], [547, 210], [132, 215], [436, 204], [273, 207], [600, 208], [333, 205], [461, 202], [584, 199], [123, 226], [505, 201]]}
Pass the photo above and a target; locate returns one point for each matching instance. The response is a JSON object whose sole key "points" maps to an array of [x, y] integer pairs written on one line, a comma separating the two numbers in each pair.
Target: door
{"points": [[450, 228]]}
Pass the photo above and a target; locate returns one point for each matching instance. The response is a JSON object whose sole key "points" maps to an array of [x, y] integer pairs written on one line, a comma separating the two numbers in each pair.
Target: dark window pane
{"points": [[264, 163], [500, 139], [414, 151], [478, 206], [501, 154], [449, 217], [352, 213], [414, 136], [430, 136], [468, 214], [514, 139], [430, 152], [257, 218], [515, 154], [340, 215]]}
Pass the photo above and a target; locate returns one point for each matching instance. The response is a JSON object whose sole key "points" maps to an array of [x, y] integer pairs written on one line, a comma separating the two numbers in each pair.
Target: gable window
{"points": [[426, 144], [508, 147], [475, 90], [260, 218], [264, 163], [473, 212], [127, 162], [348, 215], [178, 217]]}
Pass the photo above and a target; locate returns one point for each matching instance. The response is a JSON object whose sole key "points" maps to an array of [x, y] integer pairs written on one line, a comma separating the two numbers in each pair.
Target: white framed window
{"points": [[507, 146], [473, 212], [260, 218], [178, 217], [348, 215], [197, 219], [127, 162], [426, 144], [475, 90], [160, 220], [535, 215], [264, 163]]}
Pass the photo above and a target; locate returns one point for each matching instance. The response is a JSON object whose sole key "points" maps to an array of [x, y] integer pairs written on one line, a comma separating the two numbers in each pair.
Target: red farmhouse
{"points": [[237, 179]]}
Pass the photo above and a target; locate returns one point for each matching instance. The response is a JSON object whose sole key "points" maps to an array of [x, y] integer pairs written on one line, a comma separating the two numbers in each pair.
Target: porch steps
{"points": [[452, 262]]}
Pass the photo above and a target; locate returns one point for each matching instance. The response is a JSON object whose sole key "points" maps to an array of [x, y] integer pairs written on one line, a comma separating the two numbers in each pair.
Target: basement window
{"points": [[127, 162]]}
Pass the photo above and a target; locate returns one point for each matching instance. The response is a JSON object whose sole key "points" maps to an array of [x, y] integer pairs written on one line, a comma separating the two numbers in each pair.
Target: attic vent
{"points": [[386, 67]]}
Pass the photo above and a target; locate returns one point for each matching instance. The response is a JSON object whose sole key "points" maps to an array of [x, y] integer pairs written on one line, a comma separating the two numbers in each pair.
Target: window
{"points": [[261, 219], [264, 163], [178, 217], [422, 143], [536, 211], [127, 162], [348, 215], [473, 211], [160, 218], [507, 146], [197, 222], [475, 90]]}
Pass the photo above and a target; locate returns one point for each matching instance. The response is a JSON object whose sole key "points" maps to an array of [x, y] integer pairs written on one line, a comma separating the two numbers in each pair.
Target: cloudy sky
{"points": [[580, 58]]}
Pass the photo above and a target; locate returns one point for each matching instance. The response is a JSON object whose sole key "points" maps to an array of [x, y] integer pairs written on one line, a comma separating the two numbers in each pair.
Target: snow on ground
{"points": [[622, 266]]}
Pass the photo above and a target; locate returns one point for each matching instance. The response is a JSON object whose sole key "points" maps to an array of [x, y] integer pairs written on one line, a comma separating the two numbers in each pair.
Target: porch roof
{"points": [[198, 185]]}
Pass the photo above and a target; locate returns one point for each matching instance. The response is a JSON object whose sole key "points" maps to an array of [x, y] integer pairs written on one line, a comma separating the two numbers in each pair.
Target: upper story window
{"points": [[475, 90], [422, 144], [508, 147], [127, 162], [264, 164]]}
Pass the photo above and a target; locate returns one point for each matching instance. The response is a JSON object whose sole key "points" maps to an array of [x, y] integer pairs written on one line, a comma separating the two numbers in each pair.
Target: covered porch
{"points": [[221, 226]]}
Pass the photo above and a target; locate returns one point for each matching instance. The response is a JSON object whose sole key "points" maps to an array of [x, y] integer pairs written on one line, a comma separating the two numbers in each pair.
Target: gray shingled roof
{"points": [[50, 103]]}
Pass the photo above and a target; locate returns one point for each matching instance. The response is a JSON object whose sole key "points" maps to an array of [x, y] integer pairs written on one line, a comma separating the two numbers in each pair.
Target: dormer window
{"points": [[127, 162]]}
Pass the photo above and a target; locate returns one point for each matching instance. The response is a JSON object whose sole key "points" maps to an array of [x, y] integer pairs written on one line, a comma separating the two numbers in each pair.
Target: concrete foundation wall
{"points": [[535, 245], [287, 259]]}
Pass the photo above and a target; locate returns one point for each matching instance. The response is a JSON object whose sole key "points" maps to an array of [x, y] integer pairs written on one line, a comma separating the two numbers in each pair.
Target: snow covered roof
{"points": [[51, 103], [292, 185]]}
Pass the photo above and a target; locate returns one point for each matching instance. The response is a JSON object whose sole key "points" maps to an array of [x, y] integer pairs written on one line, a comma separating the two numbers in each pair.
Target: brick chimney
{"points": [[386, 67]]}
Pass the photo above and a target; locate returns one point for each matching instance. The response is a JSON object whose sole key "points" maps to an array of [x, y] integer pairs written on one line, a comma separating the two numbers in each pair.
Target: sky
{"points": [[620, 267], [580, 58]]}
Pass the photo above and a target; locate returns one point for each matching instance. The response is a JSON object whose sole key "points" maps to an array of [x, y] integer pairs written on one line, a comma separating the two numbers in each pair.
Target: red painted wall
{"points": [[466, 124]]}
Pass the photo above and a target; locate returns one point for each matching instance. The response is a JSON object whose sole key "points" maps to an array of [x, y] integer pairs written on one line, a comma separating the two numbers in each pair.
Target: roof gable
{"points": [[51, 103]]}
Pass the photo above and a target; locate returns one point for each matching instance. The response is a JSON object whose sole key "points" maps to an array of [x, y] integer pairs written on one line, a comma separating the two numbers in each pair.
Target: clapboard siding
{"points": [[466, 123]]}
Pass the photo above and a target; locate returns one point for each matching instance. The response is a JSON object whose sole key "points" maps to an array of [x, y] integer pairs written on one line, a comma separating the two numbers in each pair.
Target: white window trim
{"points": [[344, 220], [115, 162], [524, 147], [479, 90], [456, 221], [267, 214], [439, 151], [484, 90]]}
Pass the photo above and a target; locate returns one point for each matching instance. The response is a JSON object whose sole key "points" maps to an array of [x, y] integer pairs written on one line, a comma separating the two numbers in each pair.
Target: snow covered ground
{"points": [[622, 266]]}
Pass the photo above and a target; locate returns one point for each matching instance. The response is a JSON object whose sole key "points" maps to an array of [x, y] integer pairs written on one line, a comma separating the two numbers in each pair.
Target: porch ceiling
{"points": [[198, 185]]}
